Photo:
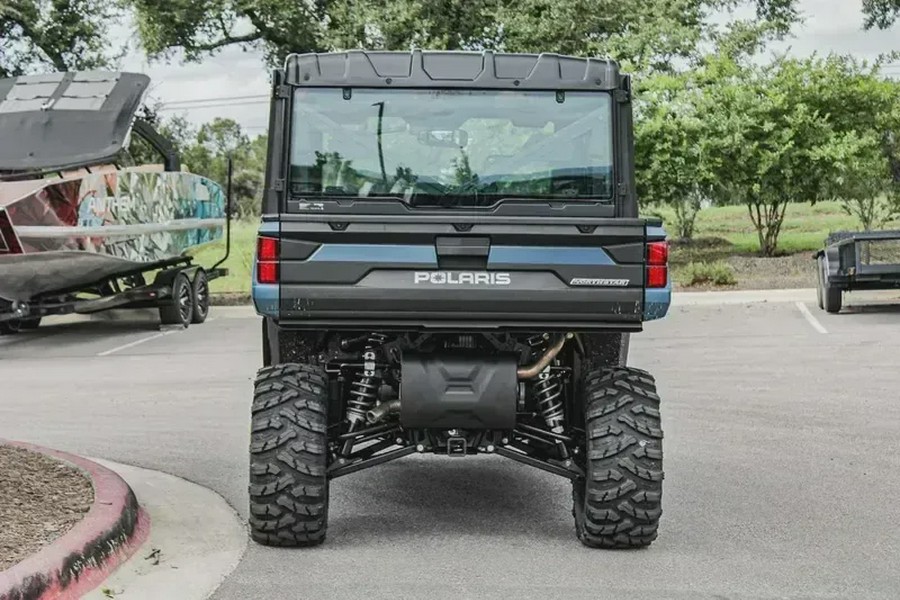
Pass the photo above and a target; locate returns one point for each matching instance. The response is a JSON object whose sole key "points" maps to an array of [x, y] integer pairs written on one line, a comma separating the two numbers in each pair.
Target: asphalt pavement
{"points": [[782, 462]]}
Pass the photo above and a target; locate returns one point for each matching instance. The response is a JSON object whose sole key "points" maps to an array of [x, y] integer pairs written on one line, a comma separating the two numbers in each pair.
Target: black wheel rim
{"points": [[202, 296], [184, 303]]}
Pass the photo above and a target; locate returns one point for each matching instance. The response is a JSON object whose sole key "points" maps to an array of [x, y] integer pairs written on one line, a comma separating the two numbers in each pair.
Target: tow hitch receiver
{"points": [[456, 446]]}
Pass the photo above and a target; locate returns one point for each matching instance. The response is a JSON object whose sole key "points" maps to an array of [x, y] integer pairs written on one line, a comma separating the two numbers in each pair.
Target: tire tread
{"points": [[618, 504], [288, 456]]}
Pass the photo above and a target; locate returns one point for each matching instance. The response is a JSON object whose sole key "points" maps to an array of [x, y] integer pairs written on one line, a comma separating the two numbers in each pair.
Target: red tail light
{"points": [[657, 264], [267, 248], [267, 252]]}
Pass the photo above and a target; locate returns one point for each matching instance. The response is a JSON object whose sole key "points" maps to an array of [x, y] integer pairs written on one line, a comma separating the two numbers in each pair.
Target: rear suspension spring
{"points": [[548, 391], [364, 389]]}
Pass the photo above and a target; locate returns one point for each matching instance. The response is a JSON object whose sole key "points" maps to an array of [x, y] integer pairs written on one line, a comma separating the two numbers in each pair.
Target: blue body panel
{"points": [[266, 296], [658, 300]]}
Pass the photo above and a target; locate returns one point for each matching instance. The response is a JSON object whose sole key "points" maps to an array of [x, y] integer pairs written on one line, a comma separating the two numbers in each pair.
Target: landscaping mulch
{"points": [[230, 299], [751, 271], [41, 498], [776, 272]]}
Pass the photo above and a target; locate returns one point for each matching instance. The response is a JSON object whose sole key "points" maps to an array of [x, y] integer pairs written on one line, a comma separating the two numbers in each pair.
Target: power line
{"points": [[218, 99], [213, 105]]}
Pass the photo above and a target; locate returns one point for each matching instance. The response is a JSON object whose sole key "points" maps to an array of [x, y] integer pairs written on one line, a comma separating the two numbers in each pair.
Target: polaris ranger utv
{"points": [[450, 261]]}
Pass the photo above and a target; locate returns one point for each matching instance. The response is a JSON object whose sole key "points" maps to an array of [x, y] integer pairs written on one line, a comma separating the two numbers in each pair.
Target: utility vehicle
{"points": [[450, 261]]}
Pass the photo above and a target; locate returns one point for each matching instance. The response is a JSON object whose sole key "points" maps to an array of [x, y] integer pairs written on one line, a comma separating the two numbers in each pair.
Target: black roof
{"points": [[66, 119], [451, 69]]}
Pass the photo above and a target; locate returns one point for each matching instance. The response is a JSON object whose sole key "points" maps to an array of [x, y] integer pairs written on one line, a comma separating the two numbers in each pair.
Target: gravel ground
{"points": [[41, 498]]}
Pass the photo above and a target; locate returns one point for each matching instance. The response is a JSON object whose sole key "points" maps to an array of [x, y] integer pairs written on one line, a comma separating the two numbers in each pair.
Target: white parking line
{"points": [[809, 317], [134, 343]]}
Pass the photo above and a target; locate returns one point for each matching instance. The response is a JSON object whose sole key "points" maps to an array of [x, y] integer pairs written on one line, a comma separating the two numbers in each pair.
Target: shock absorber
{"points": [[547, 388], [548, 391], [364, 390]]}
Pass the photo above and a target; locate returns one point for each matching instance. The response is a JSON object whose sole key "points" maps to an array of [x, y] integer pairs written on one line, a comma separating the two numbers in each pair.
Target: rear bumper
{"points": [[352, 307]]}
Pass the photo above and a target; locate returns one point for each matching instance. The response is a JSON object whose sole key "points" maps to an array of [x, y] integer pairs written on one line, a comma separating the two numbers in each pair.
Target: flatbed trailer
{"points": [[856, 261], [179, 290]]}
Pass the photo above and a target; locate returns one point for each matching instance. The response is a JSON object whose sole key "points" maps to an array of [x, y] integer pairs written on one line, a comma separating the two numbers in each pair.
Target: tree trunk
{"points": [[686, 216], [767, 218]]}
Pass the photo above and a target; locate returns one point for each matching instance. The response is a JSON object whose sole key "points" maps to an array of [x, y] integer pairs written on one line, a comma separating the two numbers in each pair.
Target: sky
{"points": [[830, 26]]}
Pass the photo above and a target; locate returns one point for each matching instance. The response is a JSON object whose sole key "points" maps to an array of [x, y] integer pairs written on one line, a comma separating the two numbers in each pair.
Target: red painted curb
{"points": [[110, 532]]}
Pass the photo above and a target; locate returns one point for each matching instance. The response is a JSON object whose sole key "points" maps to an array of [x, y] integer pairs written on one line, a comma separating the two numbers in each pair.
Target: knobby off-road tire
{"points": [[619, 502], [288, 443]]}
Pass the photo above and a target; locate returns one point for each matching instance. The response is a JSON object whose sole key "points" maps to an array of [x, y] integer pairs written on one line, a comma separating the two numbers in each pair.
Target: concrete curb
{"points": [[197, 540], [110, 532]]}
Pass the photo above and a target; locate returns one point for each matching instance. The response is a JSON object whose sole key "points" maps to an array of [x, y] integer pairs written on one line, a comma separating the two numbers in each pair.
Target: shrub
{"points": [[699, 273]]}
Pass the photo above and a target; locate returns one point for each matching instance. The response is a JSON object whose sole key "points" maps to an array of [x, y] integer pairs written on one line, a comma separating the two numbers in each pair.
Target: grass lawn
{"points": [[724, 237], [239, 263], [805, 227]]}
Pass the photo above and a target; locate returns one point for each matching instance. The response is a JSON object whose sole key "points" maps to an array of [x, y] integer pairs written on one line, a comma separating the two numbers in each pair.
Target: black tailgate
{"points": [[510, 272]]}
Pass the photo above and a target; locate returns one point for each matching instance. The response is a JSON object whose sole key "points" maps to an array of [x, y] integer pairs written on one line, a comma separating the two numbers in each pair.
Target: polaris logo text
{"points": [[599, 282], [463, 278]]}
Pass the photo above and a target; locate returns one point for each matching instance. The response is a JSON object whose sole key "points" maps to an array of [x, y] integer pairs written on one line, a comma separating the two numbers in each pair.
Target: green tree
{"points": [[649, 34], [797, 131], [208, 155], [671, 154], [767, 147], [55, 35], [206, 150], [864, 109], [880, 13]]}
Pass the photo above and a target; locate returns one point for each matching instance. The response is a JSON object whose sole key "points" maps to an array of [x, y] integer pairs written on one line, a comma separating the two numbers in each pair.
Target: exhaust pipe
{"points": [[546, 359], [384, 409]]}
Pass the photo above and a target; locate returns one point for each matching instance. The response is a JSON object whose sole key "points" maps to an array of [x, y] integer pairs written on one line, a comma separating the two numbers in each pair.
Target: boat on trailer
{"points": [[80, 228]]}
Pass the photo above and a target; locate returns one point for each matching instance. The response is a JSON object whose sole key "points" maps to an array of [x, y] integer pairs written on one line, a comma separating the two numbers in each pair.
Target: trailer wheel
{"points": [[200, 299], [288, 456], [618, 503], [32, 323], [819, 277], [10, 327], [179, 309], [831, 297]]}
